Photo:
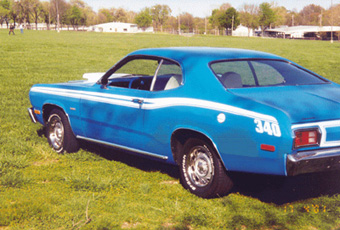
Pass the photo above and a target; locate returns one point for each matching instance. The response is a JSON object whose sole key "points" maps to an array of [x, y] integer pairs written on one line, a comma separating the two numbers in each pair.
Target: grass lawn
{"points": [[100, 188]]}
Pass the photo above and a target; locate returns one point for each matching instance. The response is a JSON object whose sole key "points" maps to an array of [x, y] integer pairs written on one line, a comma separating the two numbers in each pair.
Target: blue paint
{"points": [[145, 120], [333, 134]]}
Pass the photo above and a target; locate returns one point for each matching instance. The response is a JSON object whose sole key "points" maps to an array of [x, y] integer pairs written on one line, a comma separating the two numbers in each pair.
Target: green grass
{"points": [[98, 188]]}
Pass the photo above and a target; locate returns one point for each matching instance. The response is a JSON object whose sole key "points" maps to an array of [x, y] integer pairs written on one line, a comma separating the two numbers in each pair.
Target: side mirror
{"points": [[104, 81]]}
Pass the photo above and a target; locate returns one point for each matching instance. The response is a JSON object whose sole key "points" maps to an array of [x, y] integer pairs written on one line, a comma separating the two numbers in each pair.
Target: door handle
{"points": [[139, 101]]}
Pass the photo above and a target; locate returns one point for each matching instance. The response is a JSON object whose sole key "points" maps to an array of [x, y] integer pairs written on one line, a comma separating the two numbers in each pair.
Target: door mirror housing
{"points": [[103, 81]]}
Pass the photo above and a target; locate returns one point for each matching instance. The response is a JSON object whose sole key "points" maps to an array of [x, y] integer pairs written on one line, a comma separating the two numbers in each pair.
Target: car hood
{"points": [[304, 103]]}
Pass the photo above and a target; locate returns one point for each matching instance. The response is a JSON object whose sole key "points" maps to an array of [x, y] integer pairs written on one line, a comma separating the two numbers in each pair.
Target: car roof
{"points": [[181, 54]]}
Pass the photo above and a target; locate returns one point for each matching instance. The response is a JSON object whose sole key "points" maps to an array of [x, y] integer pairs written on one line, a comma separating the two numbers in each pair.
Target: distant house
{"points": [[242, 31], [303, 32], [118, 27]]}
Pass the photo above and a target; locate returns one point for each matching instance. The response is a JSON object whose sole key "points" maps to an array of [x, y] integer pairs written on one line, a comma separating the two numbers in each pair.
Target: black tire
{"points": [[202, 172], [59, 133]]}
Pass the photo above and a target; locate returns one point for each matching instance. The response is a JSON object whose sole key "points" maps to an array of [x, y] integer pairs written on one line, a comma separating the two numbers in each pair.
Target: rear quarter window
{"points": [[257, 73], [240, 67], [266, 74]]}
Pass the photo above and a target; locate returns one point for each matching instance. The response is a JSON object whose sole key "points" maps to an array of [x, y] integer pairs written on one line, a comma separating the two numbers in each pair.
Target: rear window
{"points": [[257, 73]]}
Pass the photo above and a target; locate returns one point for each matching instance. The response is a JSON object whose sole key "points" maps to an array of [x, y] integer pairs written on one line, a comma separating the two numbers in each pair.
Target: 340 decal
{"points": [[267, 127]]}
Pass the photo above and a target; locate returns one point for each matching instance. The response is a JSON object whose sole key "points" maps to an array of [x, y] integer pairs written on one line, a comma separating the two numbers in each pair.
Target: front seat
{"points": [[231, 80], [173, 82]]}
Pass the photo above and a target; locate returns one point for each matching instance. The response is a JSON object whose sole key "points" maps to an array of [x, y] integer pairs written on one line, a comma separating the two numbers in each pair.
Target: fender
{"points": [[200, 132]]}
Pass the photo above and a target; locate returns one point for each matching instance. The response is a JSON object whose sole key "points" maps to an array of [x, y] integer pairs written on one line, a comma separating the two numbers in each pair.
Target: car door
{"points": [[114, 114], [162, 112]]}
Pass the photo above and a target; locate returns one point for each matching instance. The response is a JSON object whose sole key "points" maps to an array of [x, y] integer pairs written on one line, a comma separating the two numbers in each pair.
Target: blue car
{"points": [[208, 110]]}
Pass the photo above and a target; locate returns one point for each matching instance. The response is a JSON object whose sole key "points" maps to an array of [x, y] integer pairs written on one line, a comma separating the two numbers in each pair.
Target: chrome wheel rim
{"points": [[200, 166], [56, 132]]}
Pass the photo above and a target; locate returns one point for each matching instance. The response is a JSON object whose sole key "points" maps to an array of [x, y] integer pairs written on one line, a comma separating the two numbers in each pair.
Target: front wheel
{"points": [[59, 133], [202, 172]]}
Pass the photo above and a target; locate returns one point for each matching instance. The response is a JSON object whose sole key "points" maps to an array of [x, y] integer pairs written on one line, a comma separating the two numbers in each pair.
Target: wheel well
{"points": [[180, 136], [47, 109]]}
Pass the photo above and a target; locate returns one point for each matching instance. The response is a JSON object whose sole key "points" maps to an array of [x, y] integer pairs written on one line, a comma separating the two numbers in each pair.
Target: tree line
{"points": [[226, 18]]}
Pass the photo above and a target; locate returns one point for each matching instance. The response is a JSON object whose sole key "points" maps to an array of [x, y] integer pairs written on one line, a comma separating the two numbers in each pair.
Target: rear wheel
{"points": [[59, 133], [202, 171]]}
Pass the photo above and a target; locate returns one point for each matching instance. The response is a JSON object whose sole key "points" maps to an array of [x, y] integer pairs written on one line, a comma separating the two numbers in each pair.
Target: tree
{"points": [[224, 17], [267, 16], [3, 15], [229, 19], [14, 11], [171, 24], [105, 15], [160, 14], [119, 15], [225, 6], [187, 22], [5, 4], [36, 11], [249, 17], [130, 16], [90, 17], [4, 11], [312, 15], [45, 13], [25, 10], [64, 17], [58, 11], [282, 16], [293, 18], [80, 14], [79, 3], [74, 16], [200, 25], [214, 20], [144, 18], [332, 16]]}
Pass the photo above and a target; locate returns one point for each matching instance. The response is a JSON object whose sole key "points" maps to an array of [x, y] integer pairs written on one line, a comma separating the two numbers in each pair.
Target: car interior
{"points": [[142, 82]]}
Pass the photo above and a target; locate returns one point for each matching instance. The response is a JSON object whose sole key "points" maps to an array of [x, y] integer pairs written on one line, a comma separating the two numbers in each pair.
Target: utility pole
{"points": [[332, 21], [292, 19], [179, 24], [49, 18], [232, 25], [320, 21], [58, 23]]}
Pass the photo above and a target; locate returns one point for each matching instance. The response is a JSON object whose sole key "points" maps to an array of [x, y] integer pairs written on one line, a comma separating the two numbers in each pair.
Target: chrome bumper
{"points": [[32, 116], [313, 161]]}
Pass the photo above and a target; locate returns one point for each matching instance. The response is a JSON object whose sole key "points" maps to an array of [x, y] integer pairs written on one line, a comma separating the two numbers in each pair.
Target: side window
{"points": [[140, 74], [169, 76], [139, 67], [135, 74], [266, 74], [234, 74]]}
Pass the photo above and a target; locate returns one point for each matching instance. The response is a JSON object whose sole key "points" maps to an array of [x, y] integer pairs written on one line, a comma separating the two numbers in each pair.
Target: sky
{"points": [[200, 8]]}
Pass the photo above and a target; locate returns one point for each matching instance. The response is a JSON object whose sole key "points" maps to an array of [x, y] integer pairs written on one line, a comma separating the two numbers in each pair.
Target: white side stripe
{"points": [[78, 92], [151, 104], [173, 101]]}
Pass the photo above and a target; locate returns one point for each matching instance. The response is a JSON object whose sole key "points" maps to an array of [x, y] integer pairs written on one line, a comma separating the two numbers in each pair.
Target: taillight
{"points": [[305, 138]]}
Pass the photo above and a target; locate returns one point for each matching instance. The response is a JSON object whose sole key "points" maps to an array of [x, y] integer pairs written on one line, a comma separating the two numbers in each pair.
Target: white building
{"points": [[302, 31], [118, 27], [242, 31]]}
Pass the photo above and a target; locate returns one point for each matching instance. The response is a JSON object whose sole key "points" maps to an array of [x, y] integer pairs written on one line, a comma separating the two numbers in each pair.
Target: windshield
{"points": [[257, 73]]}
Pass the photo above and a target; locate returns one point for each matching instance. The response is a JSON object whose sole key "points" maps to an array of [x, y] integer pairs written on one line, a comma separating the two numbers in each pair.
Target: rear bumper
{"points": [[32, 115], [313, 161]]}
